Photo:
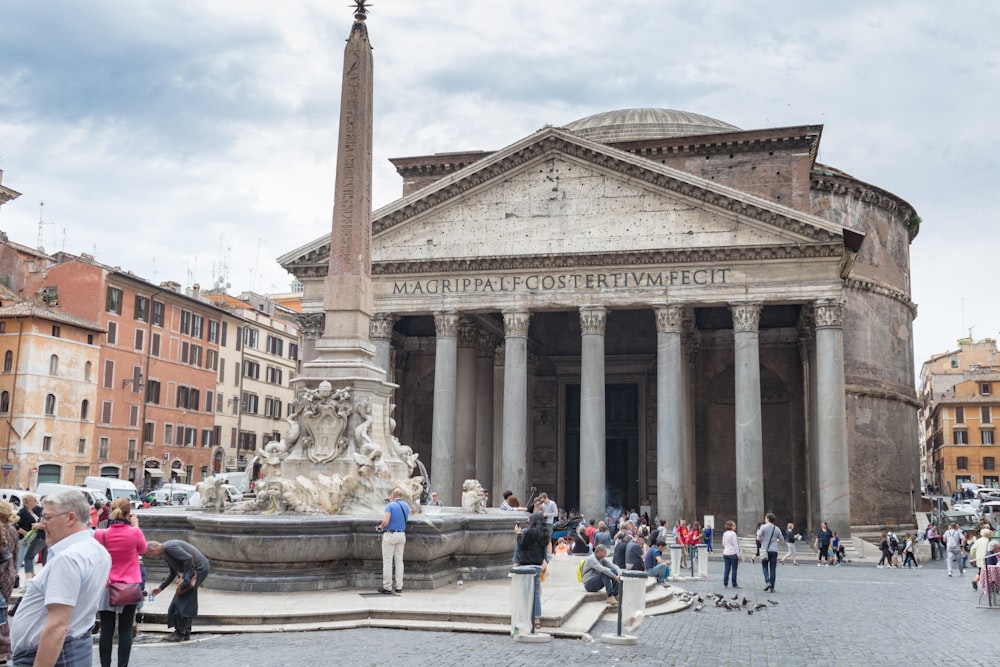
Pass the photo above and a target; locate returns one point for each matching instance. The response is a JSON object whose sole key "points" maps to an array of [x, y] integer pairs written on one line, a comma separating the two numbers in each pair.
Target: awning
{"points": [[153, 472]]}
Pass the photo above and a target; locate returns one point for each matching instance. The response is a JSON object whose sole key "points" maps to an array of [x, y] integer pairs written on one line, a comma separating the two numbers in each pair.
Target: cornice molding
{"points": [[623, 258], [881, 290], [822, 180], [860, 390]]}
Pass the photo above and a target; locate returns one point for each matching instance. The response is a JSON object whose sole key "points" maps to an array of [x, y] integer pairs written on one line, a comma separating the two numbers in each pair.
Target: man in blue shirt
{"points": [[393, 528]]}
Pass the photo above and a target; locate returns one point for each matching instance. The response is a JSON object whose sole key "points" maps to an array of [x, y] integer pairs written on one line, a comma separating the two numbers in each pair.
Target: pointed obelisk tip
{"points": [[361, 10]]}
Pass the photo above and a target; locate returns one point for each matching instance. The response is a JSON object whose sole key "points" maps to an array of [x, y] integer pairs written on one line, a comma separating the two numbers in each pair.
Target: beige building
{"points": [[48, 392], [648, 307]]}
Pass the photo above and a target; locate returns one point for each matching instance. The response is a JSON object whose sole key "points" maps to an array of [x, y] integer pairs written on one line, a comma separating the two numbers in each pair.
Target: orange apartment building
{"points": [[155, 411], [960, 405]]}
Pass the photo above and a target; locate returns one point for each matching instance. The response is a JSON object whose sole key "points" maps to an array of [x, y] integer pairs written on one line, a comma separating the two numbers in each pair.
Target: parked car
{"points": [[173, 494], [114, 488], [966, 520], [48, 488], [13, 496]]}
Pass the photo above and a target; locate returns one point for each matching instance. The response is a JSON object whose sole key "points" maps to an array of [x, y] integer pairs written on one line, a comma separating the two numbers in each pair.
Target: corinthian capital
{"points": [[515, 323], [311, 324], [485, 345], [446, 324], [593, 319], [468, 332], [746, 315], [669, 318], [829, 313], [381, 325]]}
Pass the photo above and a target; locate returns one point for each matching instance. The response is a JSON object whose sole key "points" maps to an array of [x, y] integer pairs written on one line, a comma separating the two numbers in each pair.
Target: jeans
{"points": [[955, 555], [661, 571], [770, 567], [609, 584], [36, 547], [732, 563]]}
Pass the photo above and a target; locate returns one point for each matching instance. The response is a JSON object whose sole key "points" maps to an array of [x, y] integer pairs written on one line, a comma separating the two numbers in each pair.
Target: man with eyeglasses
{"points": [[57, 611]]}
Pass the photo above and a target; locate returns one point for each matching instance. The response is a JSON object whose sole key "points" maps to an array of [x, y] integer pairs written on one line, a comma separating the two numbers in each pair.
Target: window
{"points": [[56, 330], [81, 446], [251, 403], [109, 374], [248, 440], [209, 401], [188, 398], [954, 361], [250, 337], [8, 361], [147, 431], [195, 355], [136, 381], [185, 352], [168, 434], [959, 414], [185, 322], [131, 452], [153, 392], [273, 375], [206, 437], [154, 344], [197, 326], [962, 462], [87, 370], [216, 434], [213, 331], [272, 408], [218, 403], [225, 332], [47, 443], [50, 472], [141, 308], [139, 338], [293, 351], [114, 301], [50, 404], [236, 373], [989, 463], [4, 401], [103, 445], [158, 313], [54, 364], [84, 410], [987, 436], [275, 345], [984, 388], [251, 369], [961, 437], [211, 359], [984, 414], [133, 415], [112, 333], [106, 412], [179, 432], [190, 436]]}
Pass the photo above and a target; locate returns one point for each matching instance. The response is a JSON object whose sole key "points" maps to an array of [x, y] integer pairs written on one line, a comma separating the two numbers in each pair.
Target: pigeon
{"points": [[760, 605], [701, 599], [750, 612], [699, 607], [774, 602], [745, 601]]}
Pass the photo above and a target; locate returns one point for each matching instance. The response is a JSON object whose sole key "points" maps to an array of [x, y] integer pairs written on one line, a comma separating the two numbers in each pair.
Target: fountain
{"points": [[326, 483]]}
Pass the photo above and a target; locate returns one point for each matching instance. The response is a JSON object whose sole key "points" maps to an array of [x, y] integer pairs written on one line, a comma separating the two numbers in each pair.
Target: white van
{"points": [[174, 494], [48, 488], [113, 488], [12, 496], [241, 480]]}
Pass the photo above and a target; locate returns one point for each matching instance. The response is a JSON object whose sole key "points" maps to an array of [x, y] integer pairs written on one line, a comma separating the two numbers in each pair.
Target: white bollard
{"points": [[631, 607], [522, 605], [675, 560], [702, 561]]}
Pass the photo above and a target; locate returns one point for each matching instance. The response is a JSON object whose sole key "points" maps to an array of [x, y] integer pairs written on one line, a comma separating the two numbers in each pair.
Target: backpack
{"points": [[579, 570], [893, 542]]}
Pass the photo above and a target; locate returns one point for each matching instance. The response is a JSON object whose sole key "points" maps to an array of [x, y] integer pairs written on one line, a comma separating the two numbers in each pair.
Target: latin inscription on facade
{"points": [[537, 282]]}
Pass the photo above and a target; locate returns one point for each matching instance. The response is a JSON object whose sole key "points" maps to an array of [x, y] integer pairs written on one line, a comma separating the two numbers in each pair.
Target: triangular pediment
{"points": [[554, 195]]}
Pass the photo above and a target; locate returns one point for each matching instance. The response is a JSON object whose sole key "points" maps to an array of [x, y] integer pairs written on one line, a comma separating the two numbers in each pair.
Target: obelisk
{"points": [[345, 355], [348, 303]]}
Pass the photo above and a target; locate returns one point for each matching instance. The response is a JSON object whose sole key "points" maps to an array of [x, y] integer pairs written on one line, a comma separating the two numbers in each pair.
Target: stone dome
{"points": [[644, 124]]}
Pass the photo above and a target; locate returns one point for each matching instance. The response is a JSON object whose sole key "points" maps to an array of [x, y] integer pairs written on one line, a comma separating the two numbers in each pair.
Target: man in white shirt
{"points": [[57, 611], [953, 539], [548, 508]]}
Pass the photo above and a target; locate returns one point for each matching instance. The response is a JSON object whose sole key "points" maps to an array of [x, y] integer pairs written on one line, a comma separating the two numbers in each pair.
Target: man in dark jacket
{"points": [[185, 561], [634, 553]]}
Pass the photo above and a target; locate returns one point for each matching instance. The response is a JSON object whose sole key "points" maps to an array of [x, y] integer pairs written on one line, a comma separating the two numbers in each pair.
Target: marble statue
{"points": [[211, 493], [473, 495]]}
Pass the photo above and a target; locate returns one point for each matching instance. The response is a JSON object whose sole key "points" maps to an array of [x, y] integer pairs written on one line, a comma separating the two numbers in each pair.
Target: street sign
{"points": [[7, 467]]}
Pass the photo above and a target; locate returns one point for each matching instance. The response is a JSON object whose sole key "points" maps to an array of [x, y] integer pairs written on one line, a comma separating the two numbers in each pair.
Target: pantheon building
{"points": [[649, 308]]}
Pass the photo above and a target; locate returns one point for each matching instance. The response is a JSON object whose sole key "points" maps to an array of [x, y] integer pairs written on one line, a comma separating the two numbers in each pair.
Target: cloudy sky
{"points": [[196, 139]]}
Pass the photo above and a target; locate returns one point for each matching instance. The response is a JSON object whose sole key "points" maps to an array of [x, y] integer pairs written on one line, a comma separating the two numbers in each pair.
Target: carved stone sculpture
{"points": [[473, 495]]}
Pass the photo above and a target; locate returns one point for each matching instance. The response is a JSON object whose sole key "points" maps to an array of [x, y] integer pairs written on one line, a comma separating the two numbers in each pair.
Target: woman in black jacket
{"points": [[533, 546]]}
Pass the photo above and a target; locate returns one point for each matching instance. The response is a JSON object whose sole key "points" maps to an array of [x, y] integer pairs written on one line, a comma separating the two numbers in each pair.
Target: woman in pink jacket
{"points": [[125, 542]]}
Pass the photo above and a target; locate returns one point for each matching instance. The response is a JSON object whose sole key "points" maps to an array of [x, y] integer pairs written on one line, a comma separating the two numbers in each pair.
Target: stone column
{"points": [[749, 440], [669, 414], [831, 418], [513, 471], [380, 332], [465, 405], [485, 348], [443, 420], [593, 482]]}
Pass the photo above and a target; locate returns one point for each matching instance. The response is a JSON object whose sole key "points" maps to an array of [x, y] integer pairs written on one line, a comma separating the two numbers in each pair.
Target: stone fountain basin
{"points": [[297, 552]]}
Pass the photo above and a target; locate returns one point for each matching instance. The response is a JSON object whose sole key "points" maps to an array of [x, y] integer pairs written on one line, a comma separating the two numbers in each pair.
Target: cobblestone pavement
{"points": [[845, 616]]}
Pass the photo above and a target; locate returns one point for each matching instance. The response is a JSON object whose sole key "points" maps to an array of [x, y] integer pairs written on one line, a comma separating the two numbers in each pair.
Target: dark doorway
{"points": [[621, 464]]}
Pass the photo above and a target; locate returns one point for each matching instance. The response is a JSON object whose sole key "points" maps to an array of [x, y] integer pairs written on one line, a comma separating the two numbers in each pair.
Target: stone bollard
{"points": [[675, 560], [631, 607], [702, 561], [522, 605]]}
